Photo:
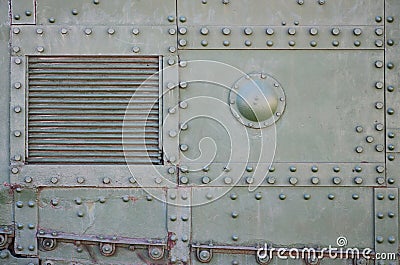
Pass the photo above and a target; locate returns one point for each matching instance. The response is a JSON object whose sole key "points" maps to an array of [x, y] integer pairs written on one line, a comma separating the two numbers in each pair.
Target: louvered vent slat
{"points": [[77, 107]]}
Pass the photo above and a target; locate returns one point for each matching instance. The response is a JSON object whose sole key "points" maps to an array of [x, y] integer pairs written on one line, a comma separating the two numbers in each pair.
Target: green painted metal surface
{"points": [[273, 126]]}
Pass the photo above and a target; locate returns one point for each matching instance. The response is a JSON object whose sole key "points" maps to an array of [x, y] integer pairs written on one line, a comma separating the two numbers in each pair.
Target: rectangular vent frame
{"points": [[76, 109]]}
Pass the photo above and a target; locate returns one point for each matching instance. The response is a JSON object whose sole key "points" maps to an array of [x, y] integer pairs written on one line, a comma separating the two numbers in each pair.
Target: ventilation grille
{"points": [[77, 107]]}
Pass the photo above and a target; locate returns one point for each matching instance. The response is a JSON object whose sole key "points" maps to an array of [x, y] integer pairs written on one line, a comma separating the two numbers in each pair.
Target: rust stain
{"points": [[11, 186]]}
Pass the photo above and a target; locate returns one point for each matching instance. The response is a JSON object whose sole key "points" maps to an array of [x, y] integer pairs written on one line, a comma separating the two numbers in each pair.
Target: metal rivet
{"points": [[336, 180], [28, 13], [391, 181], [80, 214], [234, 214], [391, 214], [204, 43], [31, 226], [359, 149], [391, 197], [17, 157], [205, 180], [225, 2], [258, 196], [31, 247], [184, 196], [74, 12], [300, 2], [16, 30], [52, 20], [391, 157], [283, 23], [20, 248], [270, 43], [390, 111], [19, 204], [17, 61], [282, 196], [313, 43], [106, 180], [307, 196], [357, 43], [321, 2], [40, 49], [380, 196], [390, 65], [390, 42], [391, 239], [171, 18], [184, 169], [184, 218], [184, 180], [292, 43], [336, 169], [355, 196], [182, 19], [136, 31], [247, 43], [39, 31], [249, 180], [314, 169], [102, 199], [390, 19], [136, 49], [378, 19], [391, 135], [379, 239], [233, 196], [380, 215], [209, 196], [391, 147], [183, 147], [235, 238], [335, 43], [331, 196]]}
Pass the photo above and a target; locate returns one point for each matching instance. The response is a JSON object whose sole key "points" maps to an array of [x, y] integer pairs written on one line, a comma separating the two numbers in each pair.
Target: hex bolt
{"points": [[314, 180], [380, 181], [378, 64], [132, 180], [16, 30], [88, 31], [183, 104], [106, 180], [64, 31], [380, 169], [227, 180], [80, 180], [357, 31], [182, 42], [136, 31], [111, 31], [335, 31], [337, 180], [379, 85], [182, 30], [17, 133], [28, 179], [292, 31], [54, 180], [205, 180], [271, 180], [14, 170], [379, 127], [16, 49], [204, 31], [379, 105], [184, 180], [17, 61], [358, 180], [136, 49]]}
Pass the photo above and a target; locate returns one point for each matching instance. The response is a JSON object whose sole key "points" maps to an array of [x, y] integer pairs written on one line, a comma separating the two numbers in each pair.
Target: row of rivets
{"points": [[79, 180], [281, 196]]}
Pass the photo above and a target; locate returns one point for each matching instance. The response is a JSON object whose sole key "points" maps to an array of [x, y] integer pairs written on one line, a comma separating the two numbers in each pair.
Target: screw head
{"points": [[136, 31]]}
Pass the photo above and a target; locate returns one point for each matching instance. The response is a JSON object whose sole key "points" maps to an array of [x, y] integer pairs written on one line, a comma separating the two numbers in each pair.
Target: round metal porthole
{"points": [[257, 100]]}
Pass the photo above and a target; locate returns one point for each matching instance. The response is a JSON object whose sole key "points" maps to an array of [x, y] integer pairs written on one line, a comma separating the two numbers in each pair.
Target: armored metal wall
{"points": [[199, 132]]}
